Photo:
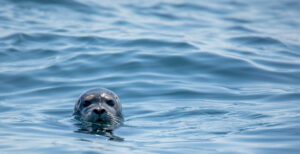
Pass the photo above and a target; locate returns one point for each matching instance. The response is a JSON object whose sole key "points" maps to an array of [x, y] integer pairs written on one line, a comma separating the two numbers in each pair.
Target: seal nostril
{"points": [[102, 111], [99, 111]]}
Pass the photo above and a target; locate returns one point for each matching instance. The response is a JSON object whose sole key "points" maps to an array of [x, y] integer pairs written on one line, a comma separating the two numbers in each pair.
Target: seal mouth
{"points": [[100, 120]]}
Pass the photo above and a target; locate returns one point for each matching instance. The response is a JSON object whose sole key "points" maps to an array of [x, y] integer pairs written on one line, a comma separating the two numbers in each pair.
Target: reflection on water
{"points": [[95, 129]]}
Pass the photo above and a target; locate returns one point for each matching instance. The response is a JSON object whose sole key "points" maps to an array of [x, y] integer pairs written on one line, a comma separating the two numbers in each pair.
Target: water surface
{"points": [[210, 77]]}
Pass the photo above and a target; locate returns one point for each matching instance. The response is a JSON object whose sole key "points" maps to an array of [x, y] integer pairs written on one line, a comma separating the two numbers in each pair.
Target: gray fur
{"points": [[99, 100]]}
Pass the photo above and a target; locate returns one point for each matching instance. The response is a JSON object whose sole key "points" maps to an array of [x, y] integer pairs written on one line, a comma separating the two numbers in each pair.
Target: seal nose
{"points": [[99, 111]]}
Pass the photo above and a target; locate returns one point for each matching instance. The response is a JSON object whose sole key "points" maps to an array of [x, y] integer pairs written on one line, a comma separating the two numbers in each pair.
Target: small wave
{"points": [[5, 108], [290, 96], [241, 29], [278, 65], [57, 40], [23, 38], [156, 44], [198, 7], [257, 41], [183, 112], [237, 20], [70, 4]]}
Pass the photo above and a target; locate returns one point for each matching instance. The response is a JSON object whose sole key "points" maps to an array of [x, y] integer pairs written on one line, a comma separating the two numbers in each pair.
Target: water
{"points": [[208, 77]]}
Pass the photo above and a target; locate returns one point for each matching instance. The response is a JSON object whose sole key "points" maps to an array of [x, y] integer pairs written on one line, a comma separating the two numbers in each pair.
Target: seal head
{"points": [[99, 106]]}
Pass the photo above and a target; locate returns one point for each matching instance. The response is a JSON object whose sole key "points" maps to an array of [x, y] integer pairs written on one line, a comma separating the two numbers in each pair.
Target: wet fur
{"points": [[110, 119]]}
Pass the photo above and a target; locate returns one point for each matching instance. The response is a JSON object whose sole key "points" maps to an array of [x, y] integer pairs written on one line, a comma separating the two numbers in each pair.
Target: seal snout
{"points": [[99, 111]]}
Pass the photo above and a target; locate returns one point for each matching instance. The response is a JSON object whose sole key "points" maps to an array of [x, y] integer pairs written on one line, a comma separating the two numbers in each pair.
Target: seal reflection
{"points": [[97, 129]]}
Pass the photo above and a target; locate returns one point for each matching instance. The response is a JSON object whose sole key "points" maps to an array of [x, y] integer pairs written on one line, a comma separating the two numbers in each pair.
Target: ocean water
{"points": [[192, 76]]}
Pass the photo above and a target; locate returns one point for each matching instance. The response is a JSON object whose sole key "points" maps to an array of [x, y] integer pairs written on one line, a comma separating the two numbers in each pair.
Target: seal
{"points": [[101, 107]]}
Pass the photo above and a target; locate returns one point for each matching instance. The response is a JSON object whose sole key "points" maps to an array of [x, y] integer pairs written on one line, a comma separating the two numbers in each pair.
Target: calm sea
{"points": [[218, 76]]}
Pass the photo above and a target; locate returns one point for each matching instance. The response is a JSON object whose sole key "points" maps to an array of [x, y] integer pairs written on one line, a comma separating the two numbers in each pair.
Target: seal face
{"points": [[99, 106]]}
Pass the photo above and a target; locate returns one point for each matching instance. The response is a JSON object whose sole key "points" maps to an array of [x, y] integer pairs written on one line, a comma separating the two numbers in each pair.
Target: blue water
{"points": [[192, 76]]}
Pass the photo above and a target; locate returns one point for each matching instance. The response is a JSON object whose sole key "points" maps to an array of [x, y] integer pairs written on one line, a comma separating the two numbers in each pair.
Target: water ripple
{"points": [[258, 41], [157, 44]]}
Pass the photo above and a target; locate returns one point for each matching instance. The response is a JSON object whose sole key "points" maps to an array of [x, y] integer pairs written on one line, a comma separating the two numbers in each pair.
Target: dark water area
{"points": [[192, 76]]}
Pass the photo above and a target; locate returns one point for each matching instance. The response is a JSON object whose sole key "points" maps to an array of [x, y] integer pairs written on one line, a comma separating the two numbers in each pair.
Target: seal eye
{"points": [[86, 103], [110, 102]]}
